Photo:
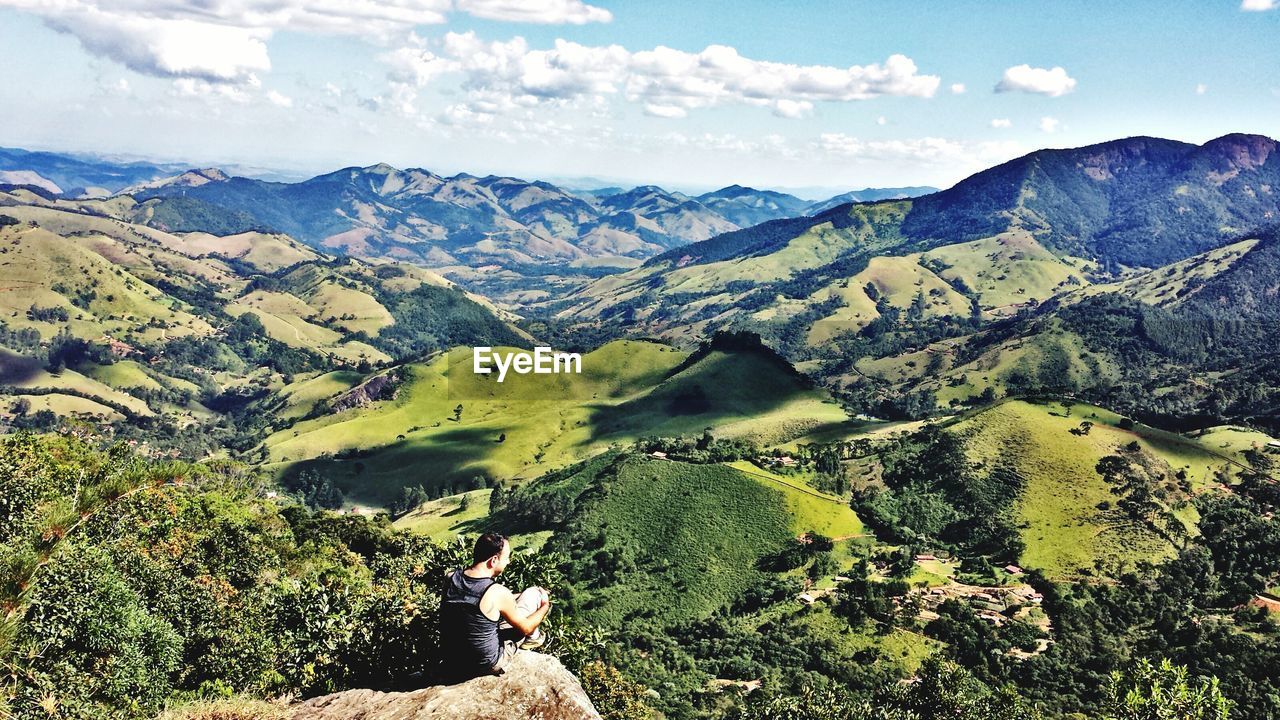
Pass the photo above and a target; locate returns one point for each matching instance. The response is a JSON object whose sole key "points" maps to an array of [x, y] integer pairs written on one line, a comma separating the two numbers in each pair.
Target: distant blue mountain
{"points": [[76, 172]]}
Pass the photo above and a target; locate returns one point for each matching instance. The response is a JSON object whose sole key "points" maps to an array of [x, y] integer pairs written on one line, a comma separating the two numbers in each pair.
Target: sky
{"points": [[815, 96]]}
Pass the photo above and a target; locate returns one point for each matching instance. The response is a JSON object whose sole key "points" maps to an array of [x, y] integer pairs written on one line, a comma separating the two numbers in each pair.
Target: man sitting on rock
{"points": [[481, 623]]}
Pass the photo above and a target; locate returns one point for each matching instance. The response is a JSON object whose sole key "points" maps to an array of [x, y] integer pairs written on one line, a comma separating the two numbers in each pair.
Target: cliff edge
{"points": [[534, 686]]}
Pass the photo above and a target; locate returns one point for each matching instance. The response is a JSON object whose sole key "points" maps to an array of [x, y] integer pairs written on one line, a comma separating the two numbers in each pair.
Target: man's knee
{"points": [[530, 599]]}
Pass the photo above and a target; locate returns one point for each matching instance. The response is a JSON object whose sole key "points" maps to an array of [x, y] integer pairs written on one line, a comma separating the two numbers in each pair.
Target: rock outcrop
{"points": [[378, 387], [534, 686]]}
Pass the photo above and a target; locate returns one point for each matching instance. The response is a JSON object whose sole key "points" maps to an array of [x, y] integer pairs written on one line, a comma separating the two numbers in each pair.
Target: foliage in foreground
{"points": [[131, 585]]}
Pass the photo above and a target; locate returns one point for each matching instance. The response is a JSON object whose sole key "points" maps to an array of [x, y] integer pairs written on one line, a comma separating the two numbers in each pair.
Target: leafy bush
{"points": [[1163, 692], [137, 583]]}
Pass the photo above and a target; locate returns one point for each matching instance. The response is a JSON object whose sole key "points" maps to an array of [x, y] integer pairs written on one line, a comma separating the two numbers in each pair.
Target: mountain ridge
{"points": [[380, 210], [1101, 210]]}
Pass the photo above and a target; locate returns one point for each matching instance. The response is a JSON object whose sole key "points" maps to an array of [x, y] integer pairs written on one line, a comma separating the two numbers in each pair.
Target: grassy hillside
{"points": [[1062, 524], [1173, 283], [1008, 270], [1190, 342], [301, 396], [810, 509], [169, 335], [529, 423], [447, 517], [1145, 220], [851, 272], [695, 556]]}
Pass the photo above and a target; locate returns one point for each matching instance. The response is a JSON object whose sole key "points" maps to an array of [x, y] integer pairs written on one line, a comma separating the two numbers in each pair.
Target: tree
{"points": [[1083, 429], [410, 497], [827, 461], [1163, 692], [823, 565], [615, 696], [940, 690], [457, 413], [1136, 488], [317, 490], [497, 500]]}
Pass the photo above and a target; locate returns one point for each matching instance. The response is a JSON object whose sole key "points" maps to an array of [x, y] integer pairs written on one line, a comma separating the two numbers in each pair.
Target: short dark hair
{"points": [[488, 545]]}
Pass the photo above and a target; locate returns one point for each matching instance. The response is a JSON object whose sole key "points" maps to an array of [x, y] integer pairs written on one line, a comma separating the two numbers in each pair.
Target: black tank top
{"points": [[468, 638]]}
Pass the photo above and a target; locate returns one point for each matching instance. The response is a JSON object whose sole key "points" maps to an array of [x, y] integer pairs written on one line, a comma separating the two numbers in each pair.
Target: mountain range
{"points": [[895, 298], [454, 223], [1016, 234]]}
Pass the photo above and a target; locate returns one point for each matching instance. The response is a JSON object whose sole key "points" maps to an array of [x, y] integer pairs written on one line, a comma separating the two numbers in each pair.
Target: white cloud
{"points": [[1202, 89], [719, 75], [1001, 123], [417, 66], [1259, 5], [119, 87], [958, 88], [226, 42], [1050, 124], [926, 150], [279, 99], [574, 12], [203, 89], [1024, 78], [787, 108], [665, 111], [163, 47], [882, 120], [772, 146], [510, 74]]}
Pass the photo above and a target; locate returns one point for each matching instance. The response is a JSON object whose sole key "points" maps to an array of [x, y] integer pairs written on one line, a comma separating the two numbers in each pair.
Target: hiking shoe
{"points": [[534, 640]]}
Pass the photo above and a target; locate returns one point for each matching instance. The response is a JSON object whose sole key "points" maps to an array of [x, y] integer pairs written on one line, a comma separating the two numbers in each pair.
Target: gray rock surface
{"points": [[534, 686]]}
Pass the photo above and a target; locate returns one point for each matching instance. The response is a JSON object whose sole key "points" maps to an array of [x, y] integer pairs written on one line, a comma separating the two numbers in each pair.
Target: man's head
{"points": [[493, 551]]}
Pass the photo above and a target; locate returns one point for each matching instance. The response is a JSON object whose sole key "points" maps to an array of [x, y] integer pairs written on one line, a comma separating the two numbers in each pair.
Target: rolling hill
{"points": [[1139, 203], [1191, 342], [521, 427], [137, 325], [1080, 325]]}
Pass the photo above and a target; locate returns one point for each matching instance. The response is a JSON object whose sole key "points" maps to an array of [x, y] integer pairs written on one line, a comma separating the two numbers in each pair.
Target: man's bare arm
{"points": [[526, 624]]}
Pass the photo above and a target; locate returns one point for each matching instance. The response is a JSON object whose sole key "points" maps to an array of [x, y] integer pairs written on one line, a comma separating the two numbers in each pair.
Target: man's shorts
{"points": [[508, 651]]}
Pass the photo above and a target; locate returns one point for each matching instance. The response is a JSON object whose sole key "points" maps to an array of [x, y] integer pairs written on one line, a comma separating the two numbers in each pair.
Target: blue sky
{"points": [[686, 94]]}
